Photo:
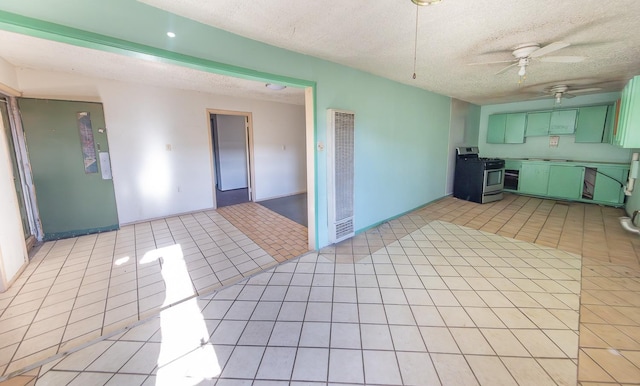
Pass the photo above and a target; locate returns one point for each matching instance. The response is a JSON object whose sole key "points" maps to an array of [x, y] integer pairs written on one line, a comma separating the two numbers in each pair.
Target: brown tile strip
{"points": [[591, 230], [280, 237]]}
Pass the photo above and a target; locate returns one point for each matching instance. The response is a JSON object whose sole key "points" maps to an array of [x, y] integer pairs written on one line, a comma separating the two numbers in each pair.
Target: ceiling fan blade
{"points": [[506, 68], [562, 59], [544, 96], [549, 48], [568, 96], [499, 61], [586, 90]]}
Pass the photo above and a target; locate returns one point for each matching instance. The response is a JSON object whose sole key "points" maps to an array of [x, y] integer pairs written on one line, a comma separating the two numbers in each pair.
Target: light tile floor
{"points": [[77, 290], [610, 268], [443, 305]]}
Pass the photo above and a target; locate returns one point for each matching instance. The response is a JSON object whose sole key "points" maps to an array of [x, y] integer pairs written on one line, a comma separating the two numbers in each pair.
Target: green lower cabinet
{"points": [[585, 182], [534, 178], [565, 182], [608, 186]]}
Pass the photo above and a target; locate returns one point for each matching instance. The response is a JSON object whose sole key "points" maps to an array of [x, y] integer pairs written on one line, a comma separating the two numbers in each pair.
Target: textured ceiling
{"points": [[378, 37], [33, 53]]}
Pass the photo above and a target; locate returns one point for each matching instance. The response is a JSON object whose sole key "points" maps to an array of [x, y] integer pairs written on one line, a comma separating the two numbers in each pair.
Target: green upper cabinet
{"points": [[538, 124], [506, 128], [627, 133], [563, 122], [607, 137], [514, 128], [495, 130], [591, 124], [565, 181]]}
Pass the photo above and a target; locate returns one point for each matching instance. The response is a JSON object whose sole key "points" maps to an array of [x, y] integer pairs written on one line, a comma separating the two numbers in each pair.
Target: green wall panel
{"points": [[70, 201]]}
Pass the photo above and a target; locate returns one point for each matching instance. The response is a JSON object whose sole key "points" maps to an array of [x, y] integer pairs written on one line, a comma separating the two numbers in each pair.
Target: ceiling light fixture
{"points": [[276, 87], [171, 34]]}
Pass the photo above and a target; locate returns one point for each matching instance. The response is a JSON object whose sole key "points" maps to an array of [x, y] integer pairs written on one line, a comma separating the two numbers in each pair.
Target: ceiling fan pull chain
{"points": [[415, 44]]}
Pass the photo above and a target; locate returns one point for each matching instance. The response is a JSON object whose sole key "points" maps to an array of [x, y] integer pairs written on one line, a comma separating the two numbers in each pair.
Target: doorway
{"points": [[231, 148], [17, 180]]}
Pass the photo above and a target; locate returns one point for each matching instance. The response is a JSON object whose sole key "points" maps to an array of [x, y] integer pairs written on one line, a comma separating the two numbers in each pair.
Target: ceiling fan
{"points": [[560, 91], [524, 54]]}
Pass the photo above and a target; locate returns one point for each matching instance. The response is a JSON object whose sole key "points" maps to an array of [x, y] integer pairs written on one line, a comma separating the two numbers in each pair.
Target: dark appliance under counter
{"points": [[477, 179]]}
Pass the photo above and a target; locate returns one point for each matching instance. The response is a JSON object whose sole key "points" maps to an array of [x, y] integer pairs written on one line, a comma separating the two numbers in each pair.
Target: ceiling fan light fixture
{"points": [[425, 2], [523, 71], [558, 98], [275, 87]]}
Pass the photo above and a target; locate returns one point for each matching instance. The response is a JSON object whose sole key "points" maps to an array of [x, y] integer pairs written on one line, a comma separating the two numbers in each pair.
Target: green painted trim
{"points": [[79, 232], [400, 215], [63, 34]]}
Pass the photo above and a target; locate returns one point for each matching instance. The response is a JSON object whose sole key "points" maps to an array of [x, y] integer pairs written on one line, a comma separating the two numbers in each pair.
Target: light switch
{"points": [[168, 147]]}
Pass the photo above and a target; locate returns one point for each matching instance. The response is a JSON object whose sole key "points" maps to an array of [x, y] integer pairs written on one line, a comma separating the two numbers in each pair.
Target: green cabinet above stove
{"points": [[506, 128]]}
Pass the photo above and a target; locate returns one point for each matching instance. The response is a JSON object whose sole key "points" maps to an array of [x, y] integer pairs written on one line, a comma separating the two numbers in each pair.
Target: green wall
{"points": [[401, 131], [70, 201]]}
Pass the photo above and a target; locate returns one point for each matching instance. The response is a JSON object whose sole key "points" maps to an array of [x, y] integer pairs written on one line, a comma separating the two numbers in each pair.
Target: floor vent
{"points": [[340, 141]]}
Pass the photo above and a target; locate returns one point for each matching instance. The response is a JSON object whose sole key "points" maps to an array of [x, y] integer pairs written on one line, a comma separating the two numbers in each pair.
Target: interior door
{"points": [[14, 166], [68, 151], [230, 136]]}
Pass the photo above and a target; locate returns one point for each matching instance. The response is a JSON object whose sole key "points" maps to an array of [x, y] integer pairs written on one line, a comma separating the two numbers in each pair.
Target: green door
{"points": [[64, 141], [14, 166]]}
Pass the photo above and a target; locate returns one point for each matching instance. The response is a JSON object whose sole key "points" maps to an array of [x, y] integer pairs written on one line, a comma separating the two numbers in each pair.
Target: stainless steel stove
{"points": [[477, 179]]}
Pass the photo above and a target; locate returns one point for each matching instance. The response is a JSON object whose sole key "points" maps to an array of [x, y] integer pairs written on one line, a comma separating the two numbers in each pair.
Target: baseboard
{"points": [[79, 232], [166, 216], [281, 196], [399, 215]]}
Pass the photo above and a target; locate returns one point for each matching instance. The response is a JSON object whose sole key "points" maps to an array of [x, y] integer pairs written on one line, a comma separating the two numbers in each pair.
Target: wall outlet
{"points": [[168, 147], [554, 140]]}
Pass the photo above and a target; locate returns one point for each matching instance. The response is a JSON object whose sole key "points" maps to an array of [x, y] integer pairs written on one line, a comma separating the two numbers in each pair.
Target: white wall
{"points": [[463, 131], [8, 75], [13, 251], [151, 181], [231, 152]]}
